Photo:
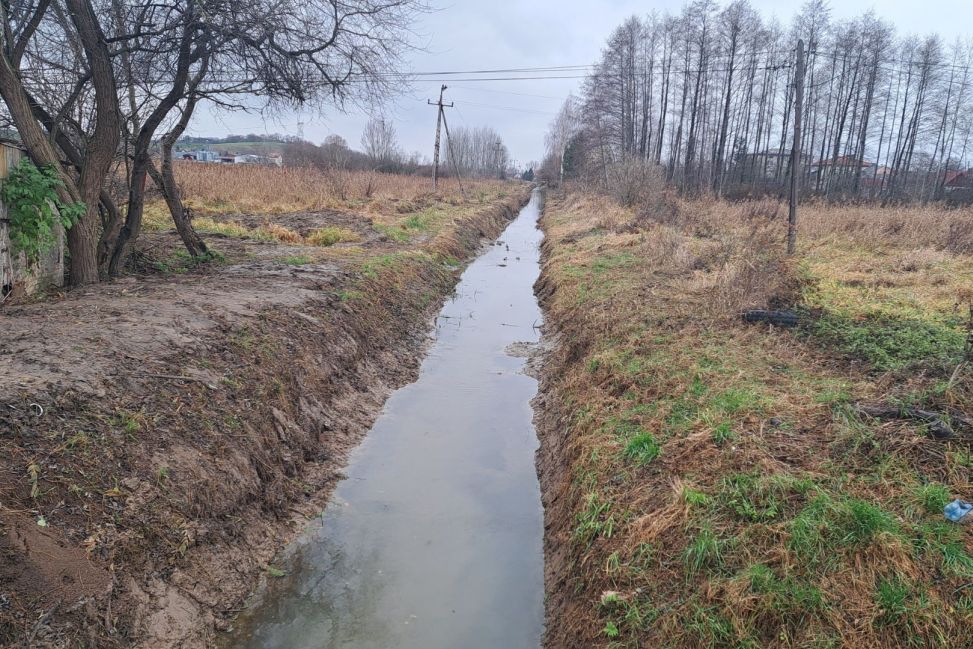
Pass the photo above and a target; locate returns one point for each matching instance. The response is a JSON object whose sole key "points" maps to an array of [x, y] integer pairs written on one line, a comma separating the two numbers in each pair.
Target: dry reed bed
{"points": [[317, 215], [272, 190], [716, 487]]}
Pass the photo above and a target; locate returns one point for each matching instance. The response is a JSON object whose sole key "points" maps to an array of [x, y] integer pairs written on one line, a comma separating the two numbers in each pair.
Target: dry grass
{"points": [[402, 209], [721, 487], [347, 217], [222, 189]]}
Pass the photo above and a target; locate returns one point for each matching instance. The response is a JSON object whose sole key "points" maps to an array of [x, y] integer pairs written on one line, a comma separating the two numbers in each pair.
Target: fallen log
{"points": [[940, 425], [778, 318]]}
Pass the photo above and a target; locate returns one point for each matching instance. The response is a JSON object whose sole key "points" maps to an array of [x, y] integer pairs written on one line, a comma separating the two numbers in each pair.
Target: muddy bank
{"points": [[555, 459], [162, 438]]}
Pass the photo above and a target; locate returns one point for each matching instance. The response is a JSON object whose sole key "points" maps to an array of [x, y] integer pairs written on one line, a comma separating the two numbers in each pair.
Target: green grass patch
{"points": [[762, 498], [933, 497], [605, 263], [735, 400], [642, 448], [350, 295], [371, 268], [331, 235], [696, 498], [784, 595], [391, 232], [891, 343], [946, 541], [859, 521], [595, 520], [229, 229], [723, 434], [296, 260], [830, 523], [704, 552], [709, 627]]}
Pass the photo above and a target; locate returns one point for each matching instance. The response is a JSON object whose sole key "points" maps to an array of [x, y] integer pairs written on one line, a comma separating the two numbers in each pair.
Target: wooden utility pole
{"points": [[439, 122], [498, 147], [796, 150]]}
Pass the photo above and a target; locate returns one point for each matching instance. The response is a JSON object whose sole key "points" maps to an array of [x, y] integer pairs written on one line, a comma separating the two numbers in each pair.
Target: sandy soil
{"points": [[164, 435]]}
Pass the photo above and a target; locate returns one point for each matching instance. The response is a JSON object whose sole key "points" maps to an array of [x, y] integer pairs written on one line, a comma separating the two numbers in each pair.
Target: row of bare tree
{"points": [[709, 95], [477, 152], [92, 87]]}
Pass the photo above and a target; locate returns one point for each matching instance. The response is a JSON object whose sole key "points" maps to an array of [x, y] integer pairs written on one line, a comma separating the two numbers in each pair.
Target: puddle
{"points": [[435, 537]]}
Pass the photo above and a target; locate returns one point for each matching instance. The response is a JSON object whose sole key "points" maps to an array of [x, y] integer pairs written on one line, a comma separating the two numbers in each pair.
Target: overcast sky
{"points": [[478, 34]]}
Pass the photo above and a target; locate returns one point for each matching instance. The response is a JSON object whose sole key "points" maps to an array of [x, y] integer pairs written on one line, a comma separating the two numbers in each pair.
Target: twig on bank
{"points": [[940, 424]]}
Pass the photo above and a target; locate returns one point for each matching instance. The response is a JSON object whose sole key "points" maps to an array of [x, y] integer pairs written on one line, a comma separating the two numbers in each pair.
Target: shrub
{"points": [[34, 208]]}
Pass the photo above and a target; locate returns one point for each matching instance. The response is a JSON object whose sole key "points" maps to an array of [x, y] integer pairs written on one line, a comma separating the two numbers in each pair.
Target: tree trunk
{"points": [[725, 123], [83, 237], [181, 215], [141, 159]]}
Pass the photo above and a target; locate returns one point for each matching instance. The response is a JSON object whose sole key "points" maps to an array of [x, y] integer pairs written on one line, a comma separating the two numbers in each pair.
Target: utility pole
{"points": [[439, 121], [796, 150], [498, 147]]}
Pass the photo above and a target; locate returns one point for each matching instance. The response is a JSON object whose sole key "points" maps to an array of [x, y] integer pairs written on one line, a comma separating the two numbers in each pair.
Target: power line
{"points": [[507, 108], [509, 92]]}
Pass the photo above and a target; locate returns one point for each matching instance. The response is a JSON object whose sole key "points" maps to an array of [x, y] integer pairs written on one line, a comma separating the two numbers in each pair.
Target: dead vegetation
{"points": [[320, 214], [223, 188], [710, 483]]}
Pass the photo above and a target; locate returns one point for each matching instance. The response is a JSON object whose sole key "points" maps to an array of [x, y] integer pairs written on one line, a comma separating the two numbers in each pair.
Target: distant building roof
{"points": [[843, 161], [958, 178]]}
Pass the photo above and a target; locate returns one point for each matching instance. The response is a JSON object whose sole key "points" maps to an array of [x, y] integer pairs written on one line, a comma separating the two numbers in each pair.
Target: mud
{"points": [[554, 461], [172, 433]]}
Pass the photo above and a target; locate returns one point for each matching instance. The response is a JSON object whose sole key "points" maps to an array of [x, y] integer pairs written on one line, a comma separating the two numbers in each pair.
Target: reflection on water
{"points": [[434, 538]]}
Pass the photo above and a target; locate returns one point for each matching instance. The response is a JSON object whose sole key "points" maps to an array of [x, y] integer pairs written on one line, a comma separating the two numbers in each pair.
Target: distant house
{"points": [[874, 175], [199, 156], [764, 167], [958, 181], [843, 164]]}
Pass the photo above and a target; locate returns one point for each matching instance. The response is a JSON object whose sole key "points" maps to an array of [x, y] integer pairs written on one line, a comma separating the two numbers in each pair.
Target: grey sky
{"points": [[475, 34]]}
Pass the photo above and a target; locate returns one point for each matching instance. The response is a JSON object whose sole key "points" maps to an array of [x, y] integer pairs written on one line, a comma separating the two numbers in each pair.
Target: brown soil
{"points": [[163, 436], [554, 461]]}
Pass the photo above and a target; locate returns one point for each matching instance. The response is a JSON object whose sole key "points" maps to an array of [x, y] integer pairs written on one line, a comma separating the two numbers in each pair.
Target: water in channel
{"points": [[434, 539]]}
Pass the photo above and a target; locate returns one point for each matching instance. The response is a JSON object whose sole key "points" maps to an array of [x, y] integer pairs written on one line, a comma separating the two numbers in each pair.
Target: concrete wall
{"points": [[17, 277]]}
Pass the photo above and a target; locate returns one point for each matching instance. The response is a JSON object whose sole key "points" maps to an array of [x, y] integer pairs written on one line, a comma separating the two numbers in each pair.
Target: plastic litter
{"points": [[957, 510]]}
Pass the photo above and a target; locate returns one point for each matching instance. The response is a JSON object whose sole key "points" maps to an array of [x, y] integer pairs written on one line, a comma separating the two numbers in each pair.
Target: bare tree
{"points": [[379, 142], [707, 94], [476, 152], [64, 61]]}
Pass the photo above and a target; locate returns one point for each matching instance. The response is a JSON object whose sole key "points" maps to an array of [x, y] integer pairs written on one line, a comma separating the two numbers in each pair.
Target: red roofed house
{"points": [[958, 180]]}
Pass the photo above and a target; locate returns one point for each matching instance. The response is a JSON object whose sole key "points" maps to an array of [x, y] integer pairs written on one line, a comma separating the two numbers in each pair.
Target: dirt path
{"points": [[163, 436]]}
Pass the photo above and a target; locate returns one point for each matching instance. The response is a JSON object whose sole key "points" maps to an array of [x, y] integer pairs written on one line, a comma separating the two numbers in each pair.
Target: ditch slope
{"points": [[712, 483], [163, 437]]}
